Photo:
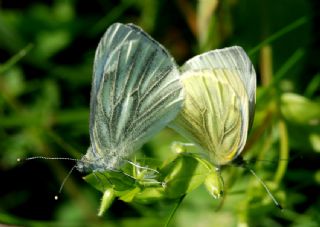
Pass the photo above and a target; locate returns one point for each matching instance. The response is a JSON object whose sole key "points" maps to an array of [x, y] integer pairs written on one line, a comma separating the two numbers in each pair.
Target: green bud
{"points": [[106, 201], [214, 184], [178, 147], [293, 108]]}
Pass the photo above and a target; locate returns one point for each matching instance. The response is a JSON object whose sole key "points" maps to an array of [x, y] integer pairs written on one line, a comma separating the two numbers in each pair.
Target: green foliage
{"points": [[46, 58], [143, 185]]}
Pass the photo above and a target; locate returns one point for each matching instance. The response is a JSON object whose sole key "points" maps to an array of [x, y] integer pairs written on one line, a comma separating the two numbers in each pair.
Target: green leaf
{"points": [[183, 175], [150, 194], [110, 179]]}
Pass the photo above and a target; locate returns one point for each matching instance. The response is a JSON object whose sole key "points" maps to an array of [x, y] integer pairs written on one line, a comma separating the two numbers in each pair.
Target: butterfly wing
{"points": [[229, 58], [136, 91], [217, 105]]}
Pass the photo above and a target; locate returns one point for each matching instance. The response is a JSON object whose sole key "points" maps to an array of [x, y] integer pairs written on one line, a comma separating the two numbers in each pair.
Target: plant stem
{"points": [[294, 25], [174, 210]]}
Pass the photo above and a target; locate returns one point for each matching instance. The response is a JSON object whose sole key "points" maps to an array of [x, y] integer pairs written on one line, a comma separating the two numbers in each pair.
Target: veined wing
{"points": [[135, 92], [229, 58], [212, 113]]}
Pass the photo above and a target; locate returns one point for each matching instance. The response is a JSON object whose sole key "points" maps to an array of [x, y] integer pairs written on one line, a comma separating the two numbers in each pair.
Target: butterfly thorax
{"points": [[93, 162]]}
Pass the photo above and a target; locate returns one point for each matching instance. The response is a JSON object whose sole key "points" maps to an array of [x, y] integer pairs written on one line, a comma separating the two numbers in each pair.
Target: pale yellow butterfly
{"points": [[218, 110]]}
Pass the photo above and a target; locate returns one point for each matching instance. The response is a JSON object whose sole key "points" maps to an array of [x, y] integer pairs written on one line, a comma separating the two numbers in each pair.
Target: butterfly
{"points": [[218, 110], [136, 91], [220, 88]]}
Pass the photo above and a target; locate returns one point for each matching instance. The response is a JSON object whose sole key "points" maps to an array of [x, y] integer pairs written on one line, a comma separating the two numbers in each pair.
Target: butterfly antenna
{"points": [[48, 158], [266, 188], [64, 181], [55, 158]]}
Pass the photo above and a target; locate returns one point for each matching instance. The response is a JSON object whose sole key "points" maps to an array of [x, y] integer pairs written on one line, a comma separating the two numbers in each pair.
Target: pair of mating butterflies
{"points": [[138, 89]]}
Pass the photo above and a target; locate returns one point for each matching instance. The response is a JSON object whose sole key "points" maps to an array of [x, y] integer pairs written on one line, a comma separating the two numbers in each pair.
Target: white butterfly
{"points": [[135, 93], [220, 87]]}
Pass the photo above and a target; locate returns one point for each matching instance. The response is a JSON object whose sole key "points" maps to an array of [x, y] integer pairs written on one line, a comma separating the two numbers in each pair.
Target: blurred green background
{"points": [[46, 57]]}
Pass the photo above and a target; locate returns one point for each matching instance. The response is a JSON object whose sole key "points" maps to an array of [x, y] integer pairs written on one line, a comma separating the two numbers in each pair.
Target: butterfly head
{"points": [[93, 162]]}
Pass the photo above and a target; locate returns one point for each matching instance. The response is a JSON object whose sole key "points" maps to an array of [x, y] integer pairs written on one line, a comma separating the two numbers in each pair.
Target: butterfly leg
{"points": [[142, 167], [143, 175]]}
